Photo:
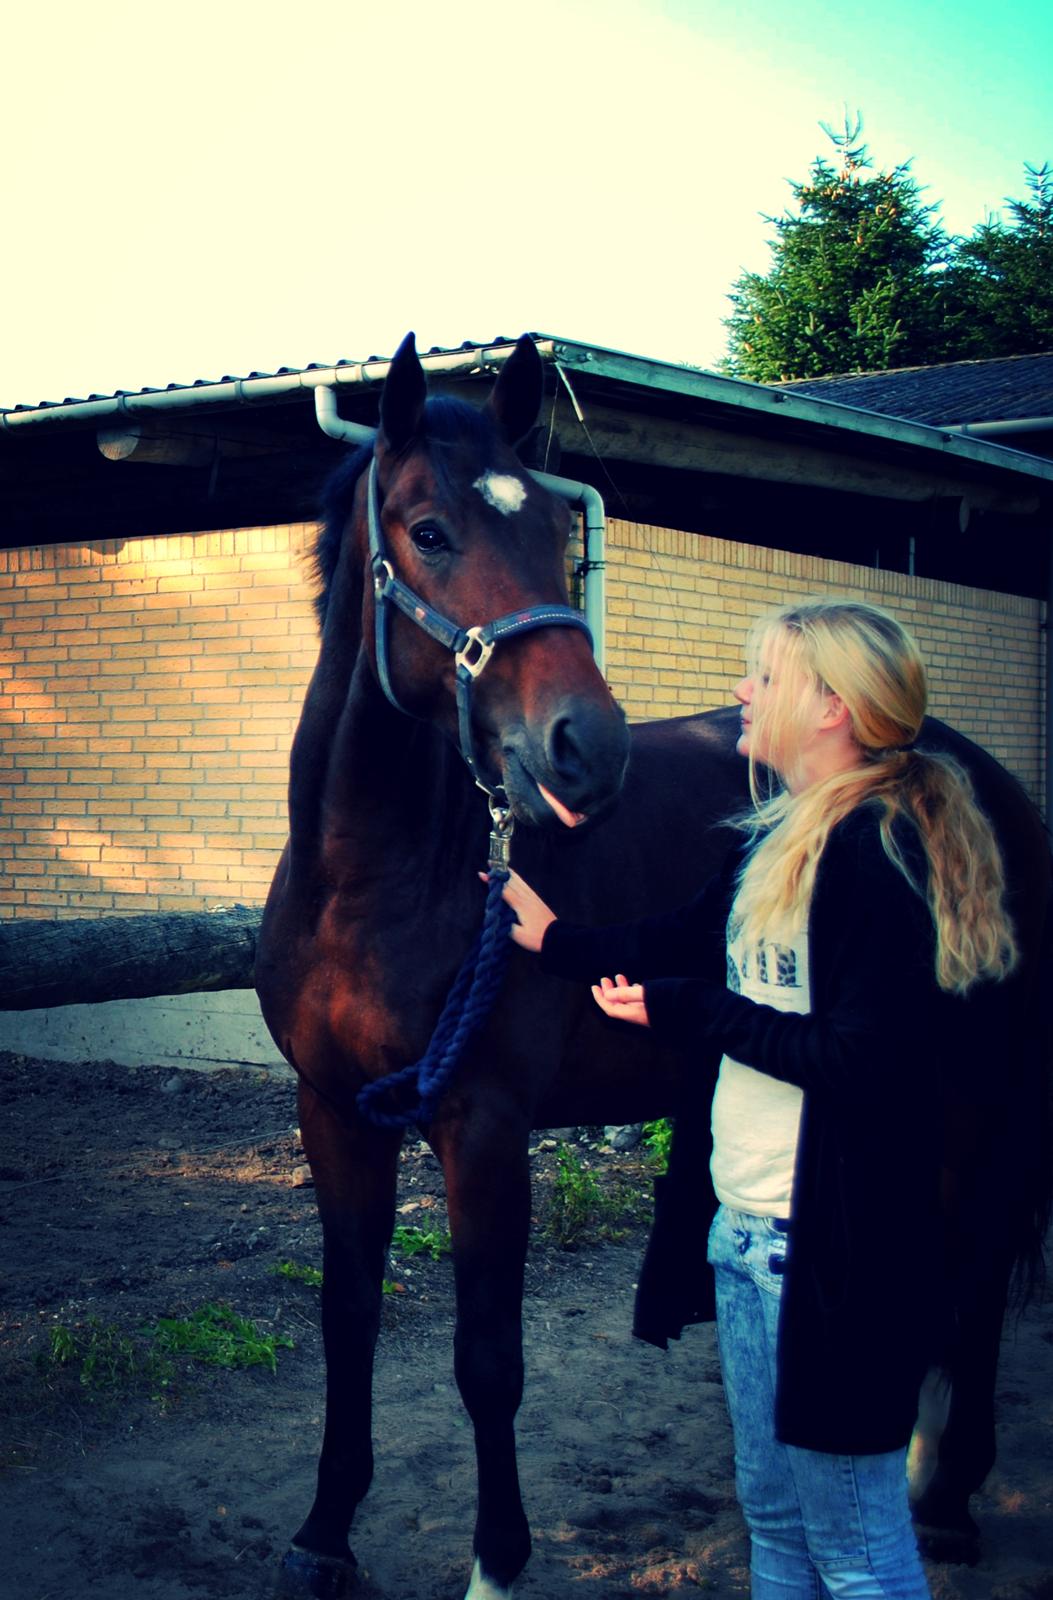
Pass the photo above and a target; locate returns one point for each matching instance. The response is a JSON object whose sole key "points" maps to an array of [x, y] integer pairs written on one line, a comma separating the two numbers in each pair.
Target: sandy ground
{"points": [[129, 1195]]}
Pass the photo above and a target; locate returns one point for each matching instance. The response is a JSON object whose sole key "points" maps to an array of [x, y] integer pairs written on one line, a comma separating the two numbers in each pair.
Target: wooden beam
{"points": [[698, 447]]}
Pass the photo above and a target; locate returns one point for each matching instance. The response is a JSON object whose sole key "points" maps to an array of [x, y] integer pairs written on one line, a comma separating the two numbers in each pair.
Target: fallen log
{"points": [[89, 959]]}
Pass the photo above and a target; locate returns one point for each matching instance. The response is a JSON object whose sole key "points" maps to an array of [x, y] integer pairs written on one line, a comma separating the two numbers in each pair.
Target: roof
{"points": [[675, 445], [345, 363], [1006, 388], [828, 419]]}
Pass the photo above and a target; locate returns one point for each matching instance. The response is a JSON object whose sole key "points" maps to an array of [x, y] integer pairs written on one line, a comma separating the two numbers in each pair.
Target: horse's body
{"points": [[377, 899]]}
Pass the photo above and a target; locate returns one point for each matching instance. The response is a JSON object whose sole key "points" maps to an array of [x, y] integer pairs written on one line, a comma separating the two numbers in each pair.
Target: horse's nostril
{"points": [[564, 750]]}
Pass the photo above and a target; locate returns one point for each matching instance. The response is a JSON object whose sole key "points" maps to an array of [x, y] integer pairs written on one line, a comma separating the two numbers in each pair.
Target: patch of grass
{"points": [[313, 1278], [216, 1336], [580, 1209], [433, 1242], [299, 1274], [577, 1207], [103, 1359]]}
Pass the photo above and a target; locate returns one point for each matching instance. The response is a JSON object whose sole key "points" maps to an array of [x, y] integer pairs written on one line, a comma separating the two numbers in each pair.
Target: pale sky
{"points": [[220, 186]]}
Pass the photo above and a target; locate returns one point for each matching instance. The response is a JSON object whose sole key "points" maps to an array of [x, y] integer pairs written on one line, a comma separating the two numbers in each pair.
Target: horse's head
{"points": [[466, 616]]}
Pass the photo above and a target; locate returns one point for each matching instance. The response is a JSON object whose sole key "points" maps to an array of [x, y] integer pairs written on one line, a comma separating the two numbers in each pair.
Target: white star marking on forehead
{"points": [[502, 491]]}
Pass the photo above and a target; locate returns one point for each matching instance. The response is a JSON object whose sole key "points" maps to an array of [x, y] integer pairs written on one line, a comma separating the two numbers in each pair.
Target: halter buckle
{"points": [[383, 575], [473, 655], [502, 825]]}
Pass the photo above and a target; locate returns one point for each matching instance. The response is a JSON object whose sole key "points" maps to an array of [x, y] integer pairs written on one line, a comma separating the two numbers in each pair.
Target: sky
{"points": [[225, 186]]}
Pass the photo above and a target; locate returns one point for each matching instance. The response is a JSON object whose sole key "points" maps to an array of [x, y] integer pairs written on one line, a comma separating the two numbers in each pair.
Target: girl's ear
{"points": [[835, 712]]}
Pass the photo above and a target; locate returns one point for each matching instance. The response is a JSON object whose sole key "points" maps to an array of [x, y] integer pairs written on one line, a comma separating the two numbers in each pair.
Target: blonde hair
{"points": [[862, 654]]}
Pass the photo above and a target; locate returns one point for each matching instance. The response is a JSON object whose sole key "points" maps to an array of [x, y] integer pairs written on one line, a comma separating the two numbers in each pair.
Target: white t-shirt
{"points": [[756, 1117]]}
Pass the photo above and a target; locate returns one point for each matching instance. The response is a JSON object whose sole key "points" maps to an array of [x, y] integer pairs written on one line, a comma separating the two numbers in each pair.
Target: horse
{"points": [[409, 722]]}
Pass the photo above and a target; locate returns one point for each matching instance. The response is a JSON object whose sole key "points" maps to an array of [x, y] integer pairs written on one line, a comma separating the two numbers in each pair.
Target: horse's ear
{"points": [[515, 399], [403, 397]]}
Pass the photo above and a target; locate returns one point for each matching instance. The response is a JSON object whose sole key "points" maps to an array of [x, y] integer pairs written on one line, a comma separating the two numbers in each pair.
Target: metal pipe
{"points": [[580, 495], [594, 565], [337, 427], [1008, 425]]}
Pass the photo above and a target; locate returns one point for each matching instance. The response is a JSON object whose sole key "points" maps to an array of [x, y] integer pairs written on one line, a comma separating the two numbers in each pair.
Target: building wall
{"points": [[679, 606], [149, 690]]}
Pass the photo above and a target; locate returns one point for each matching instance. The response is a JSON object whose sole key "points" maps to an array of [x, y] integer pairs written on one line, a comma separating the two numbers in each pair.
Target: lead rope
{"points": [[468, 1004]]}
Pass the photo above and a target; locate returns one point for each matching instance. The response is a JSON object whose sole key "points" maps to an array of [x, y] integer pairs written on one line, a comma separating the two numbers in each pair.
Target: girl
{"points": [[867, 899]]}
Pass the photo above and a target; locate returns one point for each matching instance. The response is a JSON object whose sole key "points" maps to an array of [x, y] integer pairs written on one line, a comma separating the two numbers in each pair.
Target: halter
{"points": [[472, 647]]}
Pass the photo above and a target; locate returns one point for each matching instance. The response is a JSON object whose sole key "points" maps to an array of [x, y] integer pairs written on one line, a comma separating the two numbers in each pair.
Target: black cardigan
{"points": [[864, 1295]]}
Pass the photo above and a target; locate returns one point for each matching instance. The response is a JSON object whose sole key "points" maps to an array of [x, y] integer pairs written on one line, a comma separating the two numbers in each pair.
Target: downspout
{"points": [[581, 496], [584, 498]]}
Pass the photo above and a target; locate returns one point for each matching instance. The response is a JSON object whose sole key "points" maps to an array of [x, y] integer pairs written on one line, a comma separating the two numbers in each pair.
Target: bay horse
{"points": [[376, 900]]}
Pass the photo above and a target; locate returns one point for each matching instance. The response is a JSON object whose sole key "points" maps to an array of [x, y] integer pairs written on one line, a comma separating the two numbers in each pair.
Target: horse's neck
{"points": [[375, 794]]}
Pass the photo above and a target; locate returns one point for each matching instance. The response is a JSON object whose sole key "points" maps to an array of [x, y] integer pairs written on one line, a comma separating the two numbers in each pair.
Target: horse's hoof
{"points": [[304, 1573], [483, 1588], [957, 1546]]}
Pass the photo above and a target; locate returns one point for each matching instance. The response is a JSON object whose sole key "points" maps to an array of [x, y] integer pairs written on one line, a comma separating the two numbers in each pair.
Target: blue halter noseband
{"points": [[472, 647]]}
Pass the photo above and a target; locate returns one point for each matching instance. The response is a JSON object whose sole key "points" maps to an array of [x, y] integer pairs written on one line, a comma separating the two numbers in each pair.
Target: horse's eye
{"points": [[428, 538]]}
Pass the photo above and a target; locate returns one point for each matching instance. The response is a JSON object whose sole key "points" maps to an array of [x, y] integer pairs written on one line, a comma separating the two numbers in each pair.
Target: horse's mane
{"points": [[453, 426]]}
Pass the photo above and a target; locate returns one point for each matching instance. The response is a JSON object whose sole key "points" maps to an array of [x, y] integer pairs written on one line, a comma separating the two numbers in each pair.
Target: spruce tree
{"points": [[1002, 277], [855, 284]]}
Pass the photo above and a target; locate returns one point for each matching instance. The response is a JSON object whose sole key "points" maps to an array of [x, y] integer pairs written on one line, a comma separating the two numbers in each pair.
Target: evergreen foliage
{"points": [[1002, 277], [864, 277]]}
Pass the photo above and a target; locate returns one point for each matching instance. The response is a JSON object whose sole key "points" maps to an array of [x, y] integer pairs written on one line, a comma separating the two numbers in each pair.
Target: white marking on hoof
{"points": [[502, 491], [481, 1588], [934, 1404]]}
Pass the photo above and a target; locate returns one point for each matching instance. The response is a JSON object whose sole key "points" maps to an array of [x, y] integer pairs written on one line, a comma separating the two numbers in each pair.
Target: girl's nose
{"points": [[743, 691]]}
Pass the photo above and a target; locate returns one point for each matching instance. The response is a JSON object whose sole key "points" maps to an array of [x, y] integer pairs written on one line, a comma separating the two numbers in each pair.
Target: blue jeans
{"points": [[820, 1525]]}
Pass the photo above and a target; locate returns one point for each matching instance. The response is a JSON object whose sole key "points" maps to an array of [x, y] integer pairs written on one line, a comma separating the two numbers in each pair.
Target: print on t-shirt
{"points": [[773, 964]]}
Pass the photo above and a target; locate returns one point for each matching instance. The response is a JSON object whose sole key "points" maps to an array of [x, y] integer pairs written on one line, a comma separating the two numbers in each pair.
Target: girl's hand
{"points": [[622, 1000], [533, 915]]}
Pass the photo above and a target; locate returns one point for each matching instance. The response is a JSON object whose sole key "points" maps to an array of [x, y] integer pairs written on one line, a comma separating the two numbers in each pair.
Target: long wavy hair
{"points": [[862, 654]]}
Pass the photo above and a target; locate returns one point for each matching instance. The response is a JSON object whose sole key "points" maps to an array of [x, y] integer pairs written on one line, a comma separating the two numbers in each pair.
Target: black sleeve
{"points": [[686, 942], [876, 1003]]}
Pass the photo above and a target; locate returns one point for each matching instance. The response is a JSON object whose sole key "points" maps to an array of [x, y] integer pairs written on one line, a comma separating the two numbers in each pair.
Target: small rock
{"points": [[301, 1178], [174, 1085], [624, 1136]]}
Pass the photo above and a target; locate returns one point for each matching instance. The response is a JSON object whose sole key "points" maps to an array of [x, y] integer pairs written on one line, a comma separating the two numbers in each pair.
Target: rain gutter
{"points": [[246, 391], [581, 496]]}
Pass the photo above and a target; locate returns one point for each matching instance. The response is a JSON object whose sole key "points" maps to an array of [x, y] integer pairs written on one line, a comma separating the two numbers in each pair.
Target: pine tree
{"points": [[855, 284], [1002, 277]]}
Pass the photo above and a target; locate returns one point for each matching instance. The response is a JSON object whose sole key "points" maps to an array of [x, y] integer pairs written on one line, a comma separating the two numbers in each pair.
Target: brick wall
{"points": [[149, 690], [679, 606]]}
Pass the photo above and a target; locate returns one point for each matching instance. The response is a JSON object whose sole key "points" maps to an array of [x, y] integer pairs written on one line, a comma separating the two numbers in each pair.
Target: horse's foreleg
{"points": [[488, 1197], [354, 1170]]}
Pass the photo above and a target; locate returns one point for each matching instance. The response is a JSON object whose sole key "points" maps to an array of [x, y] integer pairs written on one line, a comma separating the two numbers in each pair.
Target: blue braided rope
{"points": [[468, 1004]]}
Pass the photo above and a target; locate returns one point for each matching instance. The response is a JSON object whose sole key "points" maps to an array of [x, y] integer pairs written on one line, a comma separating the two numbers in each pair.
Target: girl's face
{"points": [[783, 716]]}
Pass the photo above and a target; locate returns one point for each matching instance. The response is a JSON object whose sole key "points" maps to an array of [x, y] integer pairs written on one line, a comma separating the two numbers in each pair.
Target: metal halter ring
{"points": [[478, 647]]}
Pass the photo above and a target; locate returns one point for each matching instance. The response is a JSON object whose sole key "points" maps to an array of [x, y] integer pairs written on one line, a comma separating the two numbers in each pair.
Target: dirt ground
{"points": [[126, 1196]]}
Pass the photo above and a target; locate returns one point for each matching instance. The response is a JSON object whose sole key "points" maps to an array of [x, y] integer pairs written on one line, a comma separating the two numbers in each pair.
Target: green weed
{"points": [[299, 1274], [313, 1277], [216, 1336], [103, 1359], [658, 1138], [579, 1208], [577, 1203], [433, 1242]]}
